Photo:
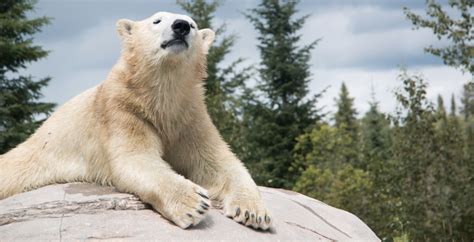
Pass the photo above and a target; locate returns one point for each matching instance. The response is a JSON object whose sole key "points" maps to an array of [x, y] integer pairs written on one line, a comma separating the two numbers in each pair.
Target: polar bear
{"points": [[144, 130]]}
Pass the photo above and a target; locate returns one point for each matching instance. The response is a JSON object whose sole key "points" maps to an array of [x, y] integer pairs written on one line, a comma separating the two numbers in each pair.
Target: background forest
{"points": [[408, 174]]}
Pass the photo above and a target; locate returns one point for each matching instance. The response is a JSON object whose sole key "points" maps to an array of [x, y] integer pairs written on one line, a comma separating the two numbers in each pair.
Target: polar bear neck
{"points": [[167, 93]]}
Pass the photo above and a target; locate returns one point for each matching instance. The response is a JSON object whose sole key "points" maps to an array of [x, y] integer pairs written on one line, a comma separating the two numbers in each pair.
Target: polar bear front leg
{"points": [[137, 167], [211, 164], [173, 196], [241, 199]]}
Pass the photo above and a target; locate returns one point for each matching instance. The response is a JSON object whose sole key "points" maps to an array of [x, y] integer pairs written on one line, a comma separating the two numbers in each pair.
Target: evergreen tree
{"points": [[375, 137], [467, 101], [466, 223], [455, 25], [376, 160], [346, 113], [274, 121], [450, 160], [441, 110], [222, 83], [20, 111], [467, 110], [346, 121], [453, 111]]}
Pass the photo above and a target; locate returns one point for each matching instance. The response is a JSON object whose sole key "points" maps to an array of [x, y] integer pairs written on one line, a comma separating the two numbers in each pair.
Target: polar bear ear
{"points": [[207, 36], [125, 28]]}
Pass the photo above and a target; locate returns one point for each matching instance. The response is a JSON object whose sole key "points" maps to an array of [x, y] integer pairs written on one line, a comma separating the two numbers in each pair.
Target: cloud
{"points": [[323, 5], [349, 40], [78, 62], [443, 80], [363, 44]]}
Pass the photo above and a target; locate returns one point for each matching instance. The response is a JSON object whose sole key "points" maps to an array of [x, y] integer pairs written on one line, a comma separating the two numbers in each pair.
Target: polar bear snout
{"points": [[181, 27]]}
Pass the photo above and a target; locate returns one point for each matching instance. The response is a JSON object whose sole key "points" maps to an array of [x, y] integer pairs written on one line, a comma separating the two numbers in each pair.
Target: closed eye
{"points": [[157, 21], [192, 26]]}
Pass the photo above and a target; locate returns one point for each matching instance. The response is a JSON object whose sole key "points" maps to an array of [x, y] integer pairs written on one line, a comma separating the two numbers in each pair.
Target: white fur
{"points": [[146, 131]]}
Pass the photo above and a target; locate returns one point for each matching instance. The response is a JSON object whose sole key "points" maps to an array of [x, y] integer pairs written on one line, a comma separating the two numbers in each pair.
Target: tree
{"points": [[376, 160], [346, 121], [325, 147], [466, 225], [459, 31], [441, 110], [450, 160], [453, 106], [432, 174], [375, 137], [413, 144], [20, 111], [346, 113], [222, 83], [467, 101], [348, 188], [283, 111]]}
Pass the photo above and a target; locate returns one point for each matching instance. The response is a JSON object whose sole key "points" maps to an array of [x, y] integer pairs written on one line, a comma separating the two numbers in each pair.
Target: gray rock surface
{"points": [[80, 211]]}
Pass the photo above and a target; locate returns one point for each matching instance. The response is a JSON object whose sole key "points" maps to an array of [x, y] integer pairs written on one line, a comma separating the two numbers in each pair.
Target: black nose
{"points": [[181, 27]]}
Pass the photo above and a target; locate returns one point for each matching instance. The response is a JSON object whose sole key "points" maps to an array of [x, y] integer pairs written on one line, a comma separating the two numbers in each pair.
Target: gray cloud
{"points": [[363, 43]]}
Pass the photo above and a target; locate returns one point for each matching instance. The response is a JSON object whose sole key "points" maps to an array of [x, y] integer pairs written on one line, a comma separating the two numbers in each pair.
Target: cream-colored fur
{"points": [[144, 130]]}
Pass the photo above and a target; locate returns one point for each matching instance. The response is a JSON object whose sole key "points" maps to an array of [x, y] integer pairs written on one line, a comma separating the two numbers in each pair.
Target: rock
{"points": [[80, 211]]}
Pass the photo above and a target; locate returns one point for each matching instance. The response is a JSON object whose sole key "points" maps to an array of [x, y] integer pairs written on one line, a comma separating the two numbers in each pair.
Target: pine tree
{"points": [[274, 121], [376, 160], [375, 137], [20, 111], [346, 121], [450, 160], [453, 111], [222, 83], [455, 25], [441, 110], [467, 101], [466, 223], [346, 113]]}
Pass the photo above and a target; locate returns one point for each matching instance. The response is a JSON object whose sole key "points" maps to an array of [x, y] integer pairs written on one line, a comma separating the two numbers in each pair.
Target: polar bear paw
{"points": [[189, 206], [249, 211]]}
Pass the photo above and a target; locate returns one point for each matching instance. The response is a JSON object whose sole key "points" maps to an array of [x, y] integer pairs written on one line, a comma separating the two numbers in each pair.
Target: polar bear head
{"points": [[163, 37]]}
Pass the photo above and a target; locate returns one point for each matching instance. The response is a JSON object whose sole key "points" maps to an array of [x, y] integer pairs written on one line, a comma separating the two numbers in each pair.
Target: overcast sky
{"points": [[364, 43]]}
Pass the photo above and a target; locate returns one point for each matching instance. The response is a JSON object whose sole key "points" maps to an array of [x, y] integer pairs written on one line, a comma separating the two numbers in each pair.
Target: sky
{"points": [[364, 43]]}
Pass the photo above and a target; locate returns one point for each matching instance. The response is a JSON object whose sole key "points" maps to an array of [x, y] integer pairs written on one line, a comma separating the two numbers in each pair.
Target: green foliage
{"points": [[223, 83], [321, 156], [466, 225], [277, 111], [467, 101], [459, 31], [346, 121], [20, 111], [375, 138], [414, 141], [376, 154], [441, 110], [428, 150], [414, 172], [348, 188], [324, 146], [346, 113]]}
